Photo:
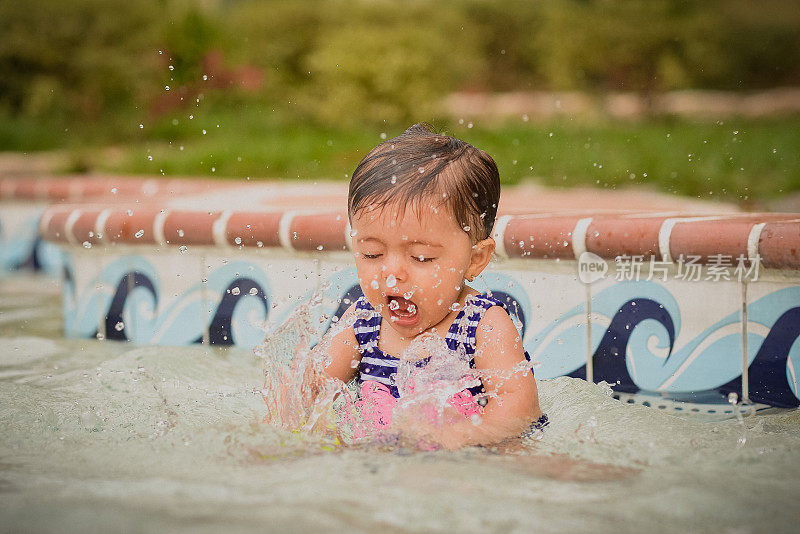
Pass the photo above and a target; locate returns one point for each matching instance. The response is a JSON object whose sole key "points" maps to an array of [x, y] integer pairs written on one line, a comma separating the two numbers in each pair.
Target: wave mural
{"points": [[127, 298], [635, 348], [638, 344], [21, 247]]}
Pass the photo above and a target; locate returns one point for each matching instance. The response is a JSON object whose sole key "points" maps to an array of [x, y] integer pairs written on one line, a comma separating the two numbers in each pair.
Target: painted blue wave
{"points": [[767, 374], [69, 298], [609, 358], [240, 297], [706, 367], [129, 287], [635, 312], [234, 307]]}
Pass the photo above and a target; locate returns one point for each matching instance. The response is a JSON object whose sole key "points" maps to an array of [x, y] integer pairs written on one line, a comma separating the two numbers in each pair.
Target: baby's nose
{"points": [[393, 271]]}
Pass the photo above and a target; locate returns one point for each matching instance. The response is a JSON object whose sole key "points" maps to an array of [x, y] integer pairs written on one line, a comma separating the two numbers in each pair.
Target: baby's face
{"points": [[411, 264]]}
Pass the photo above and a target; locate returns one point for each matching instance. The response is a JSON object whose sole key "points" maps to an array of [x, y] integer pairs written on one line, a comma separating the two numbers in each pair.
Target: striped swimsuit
{"points": [[377, 370]]}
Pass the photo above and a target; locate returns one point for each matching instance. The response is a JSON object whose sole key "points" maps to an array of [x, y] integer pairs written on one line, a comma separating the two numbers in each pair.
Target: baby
{"points": [[421, 209]]}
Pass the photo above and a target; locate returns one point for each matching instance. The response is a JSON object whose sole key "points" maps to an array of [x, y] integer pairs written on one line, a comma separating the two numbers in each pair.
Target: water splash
{"points": [[733, 400], [298, 395], [432, 381]]}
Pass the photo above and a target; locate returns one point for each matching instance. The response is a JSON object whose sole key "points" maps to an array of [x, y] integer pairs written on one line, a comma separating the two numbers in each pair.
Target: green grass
{"points": [[738, 160]]}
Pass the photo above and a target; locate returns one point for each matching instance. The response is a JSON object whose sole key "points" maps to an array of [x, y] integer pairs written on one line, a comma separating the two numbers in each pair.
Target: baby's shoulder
{"points": [[497, 315], [496, 324]]}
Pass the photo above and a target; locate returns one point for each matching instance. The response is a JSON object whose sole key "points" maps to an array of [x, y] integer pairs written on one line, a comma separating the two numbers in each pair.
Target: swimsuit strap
{"points": [[367, 326], [375, 365], [464, 330], [465, 326]]}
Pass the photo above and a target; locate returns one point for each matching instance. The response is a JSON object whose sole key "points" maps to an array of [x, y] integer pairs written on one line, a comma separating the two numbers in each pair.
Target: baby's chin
{"points": [[423, 325]]}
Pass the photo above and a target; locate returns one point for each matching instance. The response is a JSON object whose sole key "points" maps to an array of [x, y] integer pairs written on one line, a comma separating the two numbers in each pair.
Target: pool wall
{"points": [[23, 200], [673, 306], [673, 310]]}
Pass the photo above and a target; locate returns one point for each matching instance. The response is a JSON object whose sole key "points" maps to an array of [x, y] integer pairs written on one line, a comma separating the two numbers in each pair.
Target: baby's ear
{"points": [[481, 254]]}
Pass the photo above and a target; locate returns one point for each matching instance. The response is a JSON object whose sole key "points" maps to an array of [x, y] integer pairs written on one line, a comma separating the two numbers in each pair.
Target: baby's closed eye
{"points": [[422, 258]]}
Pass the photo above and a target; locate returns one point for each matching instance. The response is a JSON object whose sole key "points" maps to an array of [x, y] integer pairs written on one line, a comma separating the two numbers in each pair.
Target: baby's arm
{"points": [[338, 353], [513, 401]]}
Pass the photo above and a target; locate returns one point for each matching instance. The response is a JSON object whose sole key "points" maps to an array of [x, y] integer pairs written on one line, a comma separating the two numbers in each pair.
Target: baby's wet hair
{"points": [[420, 165]]}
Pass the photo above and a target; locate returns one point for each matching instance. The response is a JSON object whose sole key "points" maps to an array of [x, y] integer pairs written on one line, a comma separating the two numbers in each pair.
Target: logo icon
{"points": [[591, 268]]}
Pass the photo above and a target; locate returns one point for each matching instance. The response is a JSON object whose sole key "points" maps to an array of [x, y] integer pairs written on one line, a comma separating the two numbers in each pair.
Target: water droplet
{"points": [[86, 244], [374, 284], [235, 291], [183, 249], [394, 179], [139, 234], [119, 326], [391, 281], [238, 240], [180, 232], [393, 305], [129, 212], [466, 228], [254, 291]]}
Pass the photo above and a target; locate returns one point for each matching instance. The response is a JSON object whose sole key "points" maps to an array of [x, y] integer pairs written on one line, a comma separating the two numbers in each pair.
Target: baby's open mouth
{"points": [[401, 307]]}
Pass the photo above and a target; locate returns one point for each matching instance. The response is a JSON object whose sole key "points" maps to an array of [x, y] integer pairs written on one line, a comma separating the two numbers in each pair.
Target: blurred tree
{"points": [[81, 58], [622, 45], [388, 62], [506, 36], [190, 34]]}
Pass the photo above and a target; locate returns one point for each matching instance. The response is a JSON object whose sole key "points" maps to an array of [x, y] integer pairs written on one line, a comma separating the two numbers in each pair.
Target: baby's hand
{"points": [[423, 424]]}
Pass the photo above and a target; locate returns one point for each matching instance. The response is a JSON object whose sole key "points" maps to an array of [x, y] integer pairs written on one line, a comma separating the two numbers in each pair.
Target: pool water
{"points": [[100, 436]]}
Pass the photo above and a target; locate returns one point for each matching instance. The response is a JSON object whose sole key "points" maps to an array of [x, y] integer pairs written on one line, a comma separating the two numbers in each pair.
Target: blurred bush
{"points": [[94, 64], [83, 58]]}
